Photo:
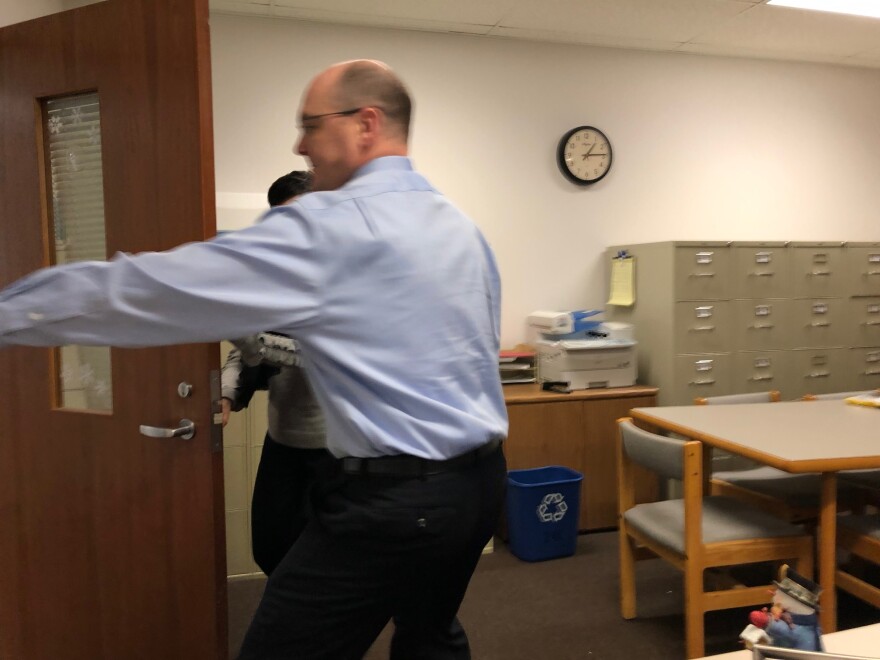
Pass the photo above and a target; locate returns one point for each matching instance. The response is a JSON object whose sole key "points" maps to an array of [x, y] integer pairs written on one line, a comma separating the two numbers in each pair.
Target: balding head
{"points": [[371, 83], [352, 113]]}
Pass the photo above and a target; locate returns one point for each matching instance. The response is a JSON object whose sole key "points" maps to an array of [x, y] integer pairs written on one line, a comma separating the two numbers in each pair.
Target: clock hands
{"points": [[590, 153]]}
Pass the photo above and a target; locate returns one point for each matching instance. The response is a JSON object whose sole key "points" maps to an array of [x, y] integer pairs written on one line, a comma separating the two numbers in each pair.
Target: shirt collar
{"points": [[385, 163]]}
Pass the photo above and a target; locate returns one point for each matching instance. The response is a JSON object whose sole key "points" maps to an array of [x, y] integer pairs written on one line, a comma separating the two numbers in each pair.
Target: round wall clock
{"points": [[584, 155]]}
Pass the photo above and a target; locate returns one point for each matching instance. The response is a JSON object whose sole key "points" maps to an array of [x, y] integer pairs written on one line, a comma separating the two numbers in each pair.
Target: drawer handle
{"points": [[870, 322], [702, 275], [760, 378], [768, 273], [873, 272], [819, 324], [818, 374], [702, 328], [761, 326], [872, 372], [817, 273], [702, 382]]}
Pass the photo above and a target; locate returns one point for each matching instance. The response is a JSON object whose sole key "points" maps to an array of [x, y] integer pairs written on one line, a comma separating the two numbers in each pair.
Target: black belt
{"points": [[404, 465]]}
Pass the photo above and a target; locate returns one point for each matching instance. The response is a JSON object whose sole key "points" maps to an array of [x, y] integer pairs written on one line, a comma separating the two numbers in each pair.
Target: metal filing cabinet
{"points": [[760, 270], [818, 270], [865, 364], [717, 317], [865, 313], [863, 279], [759, 371], [761, 324], [863, 276], [821, 370], [682, 317]]}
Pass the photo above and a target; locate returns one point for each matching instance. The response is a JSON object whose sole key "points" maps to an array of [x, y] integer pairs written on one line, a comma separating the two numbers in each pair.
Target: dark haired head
{"points": [[290, 185]]}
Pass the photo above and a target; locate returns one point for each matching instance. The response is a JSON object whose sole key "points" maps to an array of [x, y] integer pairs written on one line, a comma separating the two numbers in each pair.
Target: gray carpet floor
{"points": [[567, 609]]}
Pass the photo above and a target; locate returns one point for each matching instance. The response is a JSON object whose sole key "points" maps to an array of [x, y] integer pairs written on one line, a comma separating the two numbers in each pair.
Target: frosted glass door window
{"points": [[72, 135]]}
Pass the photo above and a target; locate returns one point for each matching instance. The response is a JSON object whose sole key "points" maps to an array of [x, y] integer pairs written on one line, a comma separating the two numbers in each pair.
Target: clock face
{"points": [[584, 155]]}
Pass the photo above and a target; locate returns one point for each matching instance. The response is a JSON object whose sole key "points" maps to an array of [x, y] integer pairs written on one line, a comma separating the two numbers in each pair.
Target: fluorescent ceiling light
{"points": [[869, 8]]}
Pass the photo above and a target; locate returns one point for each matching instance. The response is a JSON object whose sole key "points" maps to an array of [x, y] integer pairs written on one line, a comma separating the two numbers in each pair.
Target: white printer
{"points": [[579, 354], [581, 364]]}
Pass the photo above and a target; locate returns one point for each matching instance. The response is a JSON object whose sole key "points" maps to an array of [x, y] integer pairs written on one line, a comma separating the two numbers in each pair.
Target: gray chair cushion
{"points": [[864, 524], [724, 519], [801, 490]]}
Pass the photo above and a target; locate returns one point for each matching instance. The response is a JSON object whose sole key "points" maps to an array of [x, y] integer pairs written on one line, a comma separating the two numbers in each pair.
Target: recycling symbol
{"points": [[552, 508]]}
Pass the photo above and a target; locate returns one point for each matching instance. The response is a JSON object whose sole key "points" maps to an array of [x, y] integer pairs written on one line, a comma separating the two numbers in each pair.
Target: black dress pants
{"points": [[379, 548], [279, 508]]}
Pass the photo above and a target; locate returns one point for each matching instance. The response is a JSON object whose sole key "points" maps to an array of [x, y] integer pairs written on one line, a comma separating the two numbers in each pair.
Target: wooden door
{"points": [[111, 543]]}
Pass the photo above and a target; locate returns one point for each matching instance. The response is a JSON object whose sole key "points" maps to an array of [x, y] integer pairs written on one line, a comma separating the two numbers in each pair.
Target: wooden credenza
{"points": [[578, 431]]}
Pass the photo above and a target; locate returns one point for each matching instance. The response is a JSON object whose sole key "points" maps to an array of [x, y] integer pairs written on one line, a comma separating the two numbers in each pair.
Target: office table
{"points": [[864, 641], [795, 436]]}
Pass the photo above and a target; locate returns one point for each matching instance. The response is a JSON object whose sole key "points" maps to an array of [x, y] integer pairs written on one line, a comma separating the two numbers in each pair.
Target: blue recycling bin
{"points": [[543, 505]]}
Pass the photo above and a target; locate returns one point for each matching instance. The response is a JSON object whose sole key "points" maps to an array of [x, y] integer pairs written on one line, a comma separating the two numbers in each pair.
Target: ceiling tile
{"points": [[794, 32], [354, 18], [746, 28], [242, 7], [561, 36], [483, 12], [646, 20]]}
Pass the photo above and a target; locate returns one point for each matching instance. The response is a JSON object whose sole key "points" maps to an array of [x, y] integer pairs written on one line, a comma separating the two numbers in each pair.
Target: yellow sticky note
{"points": [[623, 286]]}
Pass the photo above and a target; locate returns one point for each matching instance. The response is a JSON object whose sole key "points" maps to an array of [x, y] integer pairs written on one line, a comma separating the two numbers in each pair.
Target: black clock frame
{"points": [[560, 157]]}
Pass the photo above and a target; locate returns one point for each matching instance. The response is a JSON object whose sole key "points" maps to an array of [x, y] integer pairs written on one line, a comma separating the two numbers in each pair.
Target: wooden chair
{"points": [[695, 533], [860, 535], [723, 461], [794, 497], [830, 396], [770, 396]]}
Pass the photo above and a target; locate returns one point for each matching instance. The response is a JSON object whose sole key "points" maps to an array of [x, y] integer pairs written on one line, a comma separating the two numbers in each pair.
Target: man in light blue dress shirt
{"points": [[394, 296]]}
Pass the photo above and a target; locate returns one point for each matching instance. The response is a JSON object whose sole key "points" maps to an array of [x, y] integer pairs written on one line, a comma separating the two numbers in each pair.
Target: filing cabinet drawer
{"points": [[761, 325], [700, 375], [820, 371], [865, 368], [702, 272], [780, 300], [760, 371], [864, 269], [761, 270], [817, 271], [864, 319], [702, 327], [819, 322]]}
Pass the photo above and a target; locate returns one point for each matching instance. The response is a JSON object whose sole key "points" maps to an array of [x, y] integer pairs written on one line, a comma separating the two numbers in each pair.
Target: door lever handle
{"points": [[185, 431]]}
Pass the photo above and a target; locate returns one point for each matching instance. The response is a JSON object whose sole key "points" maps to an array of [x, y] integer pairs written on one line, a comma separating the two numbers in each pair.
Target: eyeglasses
{"points": [[341, 113]]}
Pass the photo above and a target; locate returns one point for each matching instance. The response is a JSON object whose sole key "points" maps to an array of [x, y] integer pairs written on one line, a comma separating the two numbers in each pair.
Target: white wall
{"points": [[704, 147], [18, 11]]}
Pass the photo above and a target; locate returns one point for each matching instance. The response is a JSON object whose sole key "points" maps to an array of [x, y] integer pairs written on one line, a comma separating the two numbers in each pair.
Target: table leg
{"points": [[827, 545]]}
